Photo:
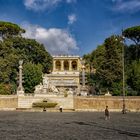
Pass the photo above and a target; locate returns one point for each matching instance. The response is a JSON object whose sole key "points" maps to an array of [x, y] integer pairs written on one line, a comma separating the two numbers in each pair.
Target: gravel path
{"points": [[68, 126]]}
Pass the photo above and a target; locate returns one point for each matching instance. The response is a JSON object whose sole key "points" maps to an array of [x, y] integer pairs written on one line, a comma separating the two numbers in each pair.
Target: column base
{"points": [[20, 92], [83, 91]]}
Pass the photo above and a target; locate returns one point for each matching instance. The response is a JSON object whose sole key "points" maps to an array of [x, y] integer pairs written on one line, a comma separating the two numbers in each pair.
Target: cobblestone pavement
{"points": [[68, 126]]}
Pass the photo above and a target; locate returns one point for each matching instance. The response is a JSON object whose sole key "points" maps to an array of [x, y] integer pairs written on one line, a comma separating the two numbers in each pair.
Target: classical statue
{"points": [[38, 88], [46, 87], [52, 88]]}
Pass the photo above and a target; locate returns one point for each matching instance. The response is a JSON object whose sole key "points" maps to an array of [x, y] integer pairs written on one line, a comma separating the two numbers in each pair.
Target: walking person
{"points": [[60, 109], [107, 116]]}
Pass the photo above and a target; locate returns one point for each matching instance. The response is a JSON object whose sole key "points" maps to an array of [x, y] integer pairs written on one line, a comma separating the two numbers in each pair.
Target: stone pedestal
{"points": [[20, 92], [83, 91], [108, 94]]}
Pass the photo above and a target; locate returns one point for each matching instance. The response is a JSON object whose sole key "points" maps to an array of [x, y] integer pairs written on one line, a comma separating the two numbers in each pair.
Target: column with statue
{"points": [[20, 89], [83, 91]]}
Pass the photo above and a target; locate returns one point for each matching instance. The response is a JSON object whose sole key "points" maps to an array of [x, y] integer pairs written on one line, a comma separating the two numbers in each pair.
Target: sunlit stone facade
{"points": [[65, 73]]}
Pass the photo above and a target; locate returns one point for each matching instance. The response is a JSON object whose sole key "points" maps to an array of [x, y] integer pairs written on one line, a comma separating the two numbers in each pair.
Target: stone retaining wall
{"points": [[98, 103], [8, 102], [27, 101]]}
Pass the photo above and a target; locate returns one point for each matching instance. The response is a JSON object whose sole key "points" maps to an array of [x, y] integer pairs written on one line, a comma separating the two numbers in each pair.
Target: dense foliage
{"points": [[133, 33], [6, 89], [32, 76], [111, 68], [107, 60], [8, 30], [13, 47]]}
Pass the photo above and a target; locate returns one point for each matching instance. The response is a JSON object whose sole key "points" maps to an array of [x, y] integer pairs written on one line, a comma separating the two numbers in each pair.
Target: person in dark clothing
{"points": [[44, 109], [61, 109], [107, 116]]}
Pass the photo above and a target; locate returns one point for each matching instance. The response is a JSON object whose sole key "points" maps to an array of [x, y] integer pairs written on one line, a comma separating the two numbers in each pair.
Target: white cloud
{"points": [[126, 6], [71, 18], [117, 0], [70, 1], [40, 5], [56, 41]]}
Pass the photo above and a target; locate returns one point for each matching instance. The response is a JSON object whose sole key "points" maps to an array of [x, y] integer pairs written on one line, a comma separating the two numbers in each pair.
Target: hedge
{"points": [[44, 105]]}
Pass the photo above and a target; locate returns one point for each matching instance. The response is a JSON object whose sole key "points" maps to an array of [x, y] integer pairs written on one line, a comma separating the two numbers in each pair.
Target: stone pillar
{"points": [[54, 65], [62, 65], [70, 65], [83, 88], [78, 65], [20, 89], [83, 75]]}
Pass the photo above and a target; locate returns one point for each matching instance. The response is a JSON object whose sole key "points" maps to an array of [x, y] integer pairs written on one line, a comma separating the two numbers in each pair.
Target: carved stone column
{"points": [[62, 65], [54, 65], [83, 88], [83, 76], [70, 66], [20, 89], [78, 65]]}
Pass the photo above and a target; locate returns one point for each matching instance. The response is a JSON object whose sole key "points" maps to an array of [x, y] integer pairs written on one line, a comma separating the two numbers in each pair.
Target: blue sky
{"points": [[71, 26]]}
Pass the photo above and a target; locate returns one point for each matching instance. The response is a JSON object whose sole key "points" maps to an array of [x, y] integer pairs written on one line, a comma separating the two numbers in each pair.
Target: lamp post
{"points": [[123, 75], [124, 107]]}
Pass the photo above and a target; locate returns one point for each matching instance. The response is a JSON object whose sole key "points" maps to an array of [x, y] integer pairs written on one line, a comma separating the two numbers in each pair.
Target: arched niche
{"points": [[66, 65], [58, 65], [74, 65]]}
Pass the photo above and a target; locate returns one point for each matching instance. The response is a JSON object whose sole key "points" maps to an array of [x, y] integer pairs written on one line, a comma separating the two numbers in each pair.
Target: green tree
{"points": [[117, 88], [8, 29], [132, 59], [13, 47], [94, 60], [98, 56], [133, 33], [32, 76], [110, 70], [32, 51], [134, 76], [8, 63], [5, 89]]}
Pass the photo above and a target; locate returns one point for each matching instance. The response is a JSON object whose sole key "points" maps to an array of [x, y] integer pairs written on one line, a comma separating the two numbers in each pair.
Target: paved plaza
{"points": [[68, 126]]}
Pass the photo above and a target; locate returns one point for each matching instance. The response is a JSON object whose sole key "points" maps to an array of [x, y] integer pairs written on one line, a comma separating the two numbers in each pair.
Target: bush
{"points": [[5, 89], [130, 92], [44, 105], [32, 76], [117, 88]]}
